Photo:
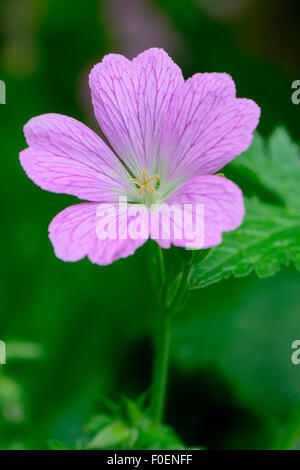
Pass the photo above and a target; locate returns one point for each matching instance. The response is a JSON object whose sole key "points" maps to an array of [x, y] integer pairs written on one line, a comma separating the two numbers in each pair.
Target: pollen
{"points": [[144, 183]]}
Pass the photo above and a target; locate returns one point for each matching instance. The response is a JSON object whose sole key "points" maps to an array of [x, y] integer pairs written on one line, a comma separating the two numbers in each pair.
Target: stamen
{"points": [[153, 178], [144, 183]]}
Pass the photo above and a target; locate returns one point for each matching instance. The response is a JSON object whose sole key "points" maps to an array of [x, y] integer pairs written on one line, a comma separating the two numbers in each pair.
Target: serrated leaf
{"points": [[275, 165], [269, 237]]}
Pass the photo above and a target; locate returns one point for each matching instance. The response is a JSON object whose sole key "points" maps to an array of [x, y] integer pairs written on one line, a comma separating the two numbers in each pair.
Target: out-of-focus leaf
{"points": [[289, 435], [133, 414], [19, 350], [58, 445], [159, 438], [11, 402], [114, 435], [134, 432], [98, 422], [241, 331]]}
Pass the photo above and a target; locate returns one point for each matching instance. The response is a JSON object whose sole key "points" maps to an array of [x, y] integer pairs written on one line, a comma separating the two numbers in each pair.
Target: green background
{"points": [[76, 332]]}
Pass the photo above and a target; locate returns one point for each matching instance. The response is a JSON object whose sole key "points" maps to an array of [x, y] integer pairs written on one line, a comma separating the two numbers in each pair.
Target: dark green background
{"points": [[232, 383]]}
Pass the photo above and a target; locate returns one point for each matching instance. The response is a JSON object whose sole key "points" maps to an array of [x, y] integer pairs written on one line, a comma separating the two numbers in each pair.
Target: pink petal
{"points": [[65, 156], [132, 100], [73, 233], [223, 205], [207, 127]]}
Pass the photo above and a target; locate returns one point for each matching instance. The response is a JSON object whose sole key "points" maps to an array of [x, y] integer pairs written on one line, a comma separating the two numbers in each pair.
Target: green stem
{"points": [[161, 347], [161, 265], [163, 338], [160, 369]]}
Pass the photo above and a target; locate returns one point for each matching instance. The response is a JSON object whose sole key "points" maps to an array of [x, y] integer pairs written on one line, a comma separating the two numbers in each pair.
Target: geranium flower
{"points": [[168, 138]]}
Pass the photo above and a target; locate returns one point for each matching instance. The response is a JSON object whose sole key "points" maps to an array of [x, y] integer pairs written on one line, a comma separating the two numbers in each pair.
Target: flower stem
{"points": [[160, 369], [161, 264], [162, 341], [162, 346]]}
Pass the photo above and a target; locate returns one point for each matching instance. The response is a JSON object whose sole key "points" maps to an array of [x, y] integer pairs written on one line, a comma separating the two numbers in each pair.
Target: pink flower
{"points": [[169, 137]]}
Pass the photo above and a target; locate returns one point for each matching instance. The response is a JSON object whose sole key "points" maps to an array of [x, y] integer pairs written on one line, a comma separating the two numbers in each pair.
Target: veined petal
{"points": [[223, 207], [132, 101], [74, 233], [207, 126], [65, 156]]}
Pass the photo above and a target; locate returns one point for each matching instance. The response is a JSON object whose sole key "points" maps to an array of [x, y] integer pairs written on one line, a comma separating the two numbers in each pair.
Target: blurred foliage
{"points": [[128, 427], [232, 384], [124, 426]]}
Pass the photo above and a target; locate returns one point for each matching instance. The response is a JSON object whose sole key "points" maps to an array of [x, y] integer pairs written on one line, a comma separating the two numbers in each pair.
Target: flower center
{"points": [[144, 183]]}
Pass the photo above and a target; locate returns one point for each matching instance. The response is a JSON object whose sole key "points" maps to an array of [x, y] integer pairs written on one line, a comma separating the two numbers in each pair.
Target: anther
{"points": [[144, 183]]}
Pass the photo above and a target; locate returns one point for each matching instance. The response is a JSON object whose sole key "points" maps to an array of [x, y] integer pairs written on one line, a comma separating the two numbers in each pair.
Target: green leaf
{"points": [[115, 434], [97, 422], [270, 234], [11, 399], [132, 412], [133, 430], [268, 238], [23, 350], [235, 343], [54, 444], [274, 165], [158, 438]]}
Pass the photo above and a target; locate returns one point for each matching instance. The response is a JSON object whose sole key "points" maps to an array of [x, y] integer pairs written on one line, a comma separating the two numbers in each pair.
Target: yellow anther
{"points": [[144, 183]]}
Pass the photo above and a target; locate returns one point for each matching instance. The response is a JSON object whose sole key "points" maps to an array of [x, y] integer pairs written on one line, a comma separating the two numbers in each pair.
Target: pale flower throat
{"points": [[151, 190]]}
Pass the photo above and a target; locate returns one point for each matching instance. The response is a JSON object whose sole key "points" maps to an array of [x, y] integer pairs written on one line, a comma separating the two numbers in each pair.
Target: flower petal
{"points": [[207, 126], [131, 101], [223, 206], [65, 156], [74, 233]]}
